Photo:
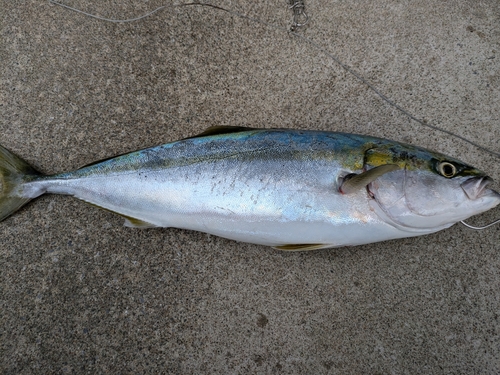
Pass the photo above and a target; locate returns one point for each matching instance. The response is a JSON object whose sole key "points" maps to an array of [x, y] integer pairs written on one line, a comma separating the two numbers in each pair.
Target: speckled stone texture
{"points": [[79, 293]]}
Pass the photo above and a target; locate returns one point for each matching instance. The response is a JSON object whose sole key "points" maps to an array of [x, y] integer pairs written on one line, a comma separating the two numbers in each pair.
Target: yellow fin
{"points": [[359, 181], [218, 130], [14, 172], [301, 247], [130, 221]]}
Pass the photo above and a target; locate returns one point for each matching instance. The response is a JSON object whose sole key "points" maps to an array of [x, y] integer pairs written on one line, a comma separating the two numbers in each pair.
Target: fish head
{"points": [[429, 191]]}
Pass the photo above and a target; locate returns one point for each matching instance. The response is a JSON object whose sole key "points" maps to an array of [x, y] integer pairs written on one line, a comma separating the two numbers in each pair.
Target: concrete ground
{"points": [[80, 293]]}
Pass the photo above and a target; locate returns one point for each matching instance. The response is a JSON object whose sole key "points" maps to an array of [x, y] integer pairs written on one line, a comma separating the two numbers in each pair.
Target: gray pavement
{"points": [[80, 293]]}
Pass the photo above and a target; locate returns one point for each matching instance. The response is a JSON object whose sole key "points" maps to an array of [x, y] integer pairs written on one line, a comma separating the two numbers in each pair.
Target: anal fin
{"points": [[132, 222], [302, 247]]}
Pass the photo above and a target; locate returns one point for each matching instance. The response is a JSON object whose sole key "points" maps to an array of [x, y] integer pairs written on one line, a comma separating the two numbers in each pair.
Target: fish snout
{"points": [[475, 187]]}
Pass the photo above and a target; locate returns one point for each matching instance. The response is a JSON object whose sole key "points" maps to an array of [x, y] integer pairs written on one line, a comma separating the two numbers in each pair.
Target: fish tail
{"points": [[14, 172]]}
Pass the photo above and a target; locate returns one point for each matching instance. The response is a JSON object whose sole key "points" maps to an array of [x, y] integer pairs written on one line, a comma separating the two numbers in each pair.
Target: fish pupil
{"points": [[448, 170]]}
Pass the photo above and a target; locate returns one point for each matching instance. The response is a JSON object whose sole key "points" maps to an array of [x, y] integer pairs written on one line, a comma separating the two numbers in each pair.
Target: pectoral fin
{"points": [[353, 183]]}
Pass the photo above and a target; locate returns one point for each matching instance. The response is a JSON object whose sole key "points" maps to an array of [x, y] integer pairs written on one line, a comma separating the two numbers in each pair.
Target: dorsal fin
{"points": [[212, 130], [218, 130], [102, 160]]}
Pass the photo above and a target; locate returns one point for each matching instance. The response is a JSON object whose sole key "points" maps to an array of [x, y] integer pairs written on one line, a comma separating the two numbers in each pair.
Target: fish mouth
{"points": [[475, 187]]}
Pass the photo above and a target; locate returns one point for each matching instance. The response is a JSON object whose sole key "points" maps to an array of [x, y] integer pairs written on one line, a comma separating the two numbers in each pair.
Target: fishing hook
{"points": [[480, 228]]}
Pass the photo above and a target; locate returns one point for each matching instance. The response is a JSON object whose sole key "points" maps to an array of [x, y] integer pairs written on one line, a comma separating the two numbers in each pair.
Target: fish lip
{"points": [[475, 187]]}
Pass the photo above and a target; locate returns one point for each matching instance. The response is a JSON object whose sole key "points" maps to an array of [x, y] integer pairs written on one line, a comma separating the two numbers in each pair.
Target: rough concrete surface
{"points": [[80, 293]]}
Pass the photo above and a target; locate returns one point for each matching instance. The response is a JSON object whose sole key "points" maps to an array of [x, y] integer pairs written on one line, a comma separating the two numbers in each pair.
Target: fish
{"points": [[284, 188]]}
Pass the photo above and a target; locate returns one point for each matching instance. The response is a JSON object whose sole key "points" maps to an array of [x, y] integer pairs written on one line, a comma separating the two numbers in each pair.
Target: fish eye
{"points": [[447, 169]]}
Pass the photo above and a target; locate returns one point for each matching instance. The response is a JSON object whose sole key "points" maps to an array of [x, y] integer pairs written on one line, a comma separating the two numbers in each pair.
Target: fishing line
{"points": [[300, 17], [157, 10], [298, 8], [108, 19]]}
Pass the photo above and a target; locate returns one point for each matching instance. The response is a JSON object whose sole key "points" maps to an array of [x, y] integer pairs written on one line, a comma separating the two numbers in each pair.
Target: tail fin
{"points": [[14, 171]]}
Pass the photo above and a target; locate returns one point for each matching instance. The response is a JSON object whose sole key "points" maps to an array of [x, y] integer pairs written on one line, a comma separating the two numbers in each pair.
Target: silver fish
{"points": [[290, 189]]}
